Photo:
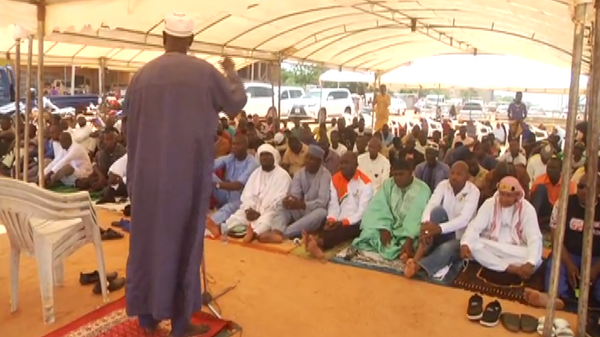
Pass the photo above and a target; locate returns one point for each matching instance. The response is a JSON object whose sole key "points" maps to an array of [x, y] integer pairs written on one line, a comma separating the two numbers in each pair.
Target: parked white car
{"points": [[471, 111], [366, 113], [398, 106], [337, 102], [260, 98]]}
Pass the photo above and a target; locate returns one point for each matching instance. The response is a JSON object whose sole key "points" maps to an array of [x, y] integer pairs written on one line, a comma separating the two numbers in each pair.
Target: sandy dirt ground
{"points": [[277, 295]]}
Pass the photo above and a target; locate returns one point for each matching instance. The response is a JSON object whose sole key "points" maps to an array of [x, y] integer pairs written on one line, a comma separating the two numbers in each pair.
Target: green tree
{"points": [[467, 94], [301, 74]]}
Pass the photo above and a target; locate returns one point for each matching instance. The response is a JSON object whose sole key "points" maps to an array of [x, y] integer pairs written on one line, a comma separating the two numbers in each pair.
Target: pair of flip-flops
{"points": [[515, 323], [110, 234], [124, 224], [113, 281], [560, 327]]}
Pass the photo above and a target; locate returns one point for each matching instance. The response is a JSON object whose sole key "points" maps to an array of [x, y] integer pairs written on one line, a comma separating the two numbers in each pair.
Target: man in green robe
{"points": [[392, 221]]}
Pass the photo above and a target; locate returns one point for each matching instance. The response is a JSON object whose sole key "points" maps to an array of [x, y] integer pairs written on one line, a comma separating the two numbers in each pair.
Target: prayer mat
{"points": [[114, 207], [505, 286], [329, 254], [373, 261], [70, 189], [112, 321]]}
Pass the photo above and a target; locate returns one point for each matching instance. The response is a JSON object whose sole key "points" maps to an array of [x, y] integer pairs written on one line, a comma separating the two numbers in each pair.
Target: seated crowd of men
{"points": [[88, 156], [429, 201]]}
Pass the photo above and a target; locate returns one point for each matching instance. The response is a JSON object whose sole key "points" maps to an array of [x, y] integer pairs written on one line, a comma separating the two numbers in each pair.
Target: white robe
{"points": [[535, 168], [81, 135], [263, 192], [77, 157], [497, 247], [377, 170], [119, 168]]}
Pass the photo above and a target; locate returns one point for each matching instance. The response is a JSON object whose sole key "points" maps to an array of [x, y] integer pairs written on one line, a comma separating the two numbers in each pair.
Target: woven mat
{"points": [[374, 261], [111, 320], [505, 286]]}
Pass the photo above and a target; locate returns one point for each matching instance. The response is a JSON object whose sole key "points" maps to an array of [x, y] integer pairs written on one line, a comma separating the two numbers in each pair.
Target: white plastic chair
{"points": [[49, 227]]}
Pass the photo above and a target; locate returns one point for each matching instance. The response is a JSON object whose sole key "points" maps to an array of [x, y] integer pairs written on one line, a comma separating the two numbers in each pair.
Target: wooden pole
{"points": [[41, 22], [592, 179], [17, 116], [28, 104], [567, 164]]}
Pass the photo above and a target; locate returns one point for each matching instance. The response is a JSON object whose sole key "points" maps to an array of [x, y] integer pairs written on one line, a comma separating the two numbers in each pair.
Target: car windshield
{"points": [[313, 94], [471, 106]]}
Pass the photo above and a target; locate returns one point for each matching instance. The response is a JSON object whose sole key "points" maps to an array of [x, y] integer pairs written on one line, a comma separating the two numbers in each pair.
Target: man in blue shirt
{"points": [[517, 113]]}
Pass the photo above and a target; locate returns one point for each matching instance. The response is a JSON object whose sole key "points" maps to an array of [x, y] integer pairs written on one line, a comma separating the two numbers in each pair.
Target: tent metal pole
{"points": [[17, 116], [559, 231], [278, 115], [28, 103], [591, 182], [41, 22]]}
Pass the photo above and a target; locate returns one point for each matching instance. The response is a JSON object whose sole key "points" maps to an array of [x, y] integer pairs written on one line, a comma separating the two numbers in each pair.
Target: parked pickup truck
{"points": [[7, 94]]}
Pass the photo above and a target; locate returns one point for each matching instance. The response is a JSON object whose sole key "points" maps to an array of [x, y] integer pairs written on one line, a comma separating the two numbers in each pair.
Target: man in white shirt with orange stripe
{"points": [[351, 191]]}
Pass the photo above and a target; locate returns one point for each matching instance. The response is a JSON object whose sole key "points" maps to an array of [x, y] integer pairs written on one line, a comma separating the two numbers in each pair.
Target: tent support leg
{"points": [[569, 142]]}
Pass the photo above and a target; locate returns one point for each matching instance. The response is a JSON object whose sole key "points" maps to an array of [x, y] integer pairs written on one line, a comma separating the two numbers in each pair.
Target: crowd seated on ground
{"points": [[426, 201]]}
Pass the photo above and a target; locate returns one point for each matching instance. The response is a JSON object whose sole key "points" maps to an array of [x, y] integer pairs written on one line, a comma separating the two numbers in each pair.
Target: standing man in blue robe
{"points": [[171, 114]]}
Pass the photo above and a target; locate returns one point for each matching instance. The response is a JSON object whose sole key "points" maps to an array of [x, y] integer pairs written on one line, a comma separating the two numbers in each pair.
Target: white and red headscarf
{"points": [[511, 185]]}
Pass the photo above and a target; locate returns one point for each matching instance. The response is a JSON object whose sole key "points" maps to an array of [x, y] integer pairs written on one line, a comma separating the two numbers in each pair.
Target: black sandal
{"points": [[93, 277], [111, 234], [491, 314], [511, 322], [112, 285], [475, 308]]}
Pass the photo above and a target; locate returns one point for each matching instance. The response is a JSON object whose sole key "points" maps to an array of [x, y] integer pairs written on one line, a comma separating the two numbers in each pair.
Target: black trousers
{"points": [[338, 235]]}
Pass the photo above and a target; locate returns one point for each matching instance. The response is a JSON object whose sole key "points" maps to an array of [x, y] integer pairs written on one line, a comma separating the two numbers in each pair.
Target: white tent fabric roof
{"points": [[87, 53], [350, 34]]}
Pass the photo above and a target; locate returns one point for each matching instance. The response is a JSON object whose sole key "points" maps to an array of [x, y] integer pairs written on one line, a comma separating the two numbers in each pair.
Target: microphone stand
{"points": [[207, 298]]}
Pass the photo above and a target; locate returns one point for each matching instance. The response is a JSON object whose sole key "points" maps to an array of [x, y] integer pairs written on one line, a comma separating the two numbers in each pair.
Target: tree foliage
{"points": [[301, 74]]}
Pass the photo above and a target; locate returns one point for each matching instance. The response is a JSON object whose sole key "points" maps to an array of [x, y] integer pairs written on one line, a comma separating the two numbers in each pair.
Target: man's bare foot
{"points": [[214, 230], [151, 331], [411, 268], [314, 250], [539, 299], [250, 235], [193, 330], [305, 239], [271, 237], [404, 257]]}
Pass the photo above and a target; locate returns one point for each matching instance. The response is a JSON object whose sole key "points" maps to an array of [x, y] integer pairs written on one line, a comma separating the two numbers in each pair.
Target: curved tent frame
{"points": [[364, 35]]}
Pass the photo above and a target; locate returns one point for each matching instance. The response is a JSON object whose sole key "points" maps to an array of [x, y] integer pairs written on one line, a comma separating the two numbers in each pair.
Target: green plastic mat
{"points": [[70, 189]]}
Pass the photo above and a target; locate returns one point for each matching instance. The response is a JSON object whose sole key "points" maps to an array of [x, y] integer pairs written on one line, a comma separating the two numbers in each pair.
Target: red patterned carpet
{"points": [[112, 321]]}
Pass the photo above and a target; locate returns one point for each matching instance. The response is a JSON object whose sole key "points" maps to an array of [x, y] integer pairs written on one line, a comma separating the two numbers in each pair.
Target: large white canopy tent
{"points": [[350, 34], [495, 72], [85, 52]]}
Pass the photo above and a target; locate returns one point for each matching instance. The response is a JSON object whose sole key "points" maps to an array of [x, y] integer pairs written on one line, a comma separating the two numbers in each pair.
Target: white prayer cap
{"points": [[179, 25], [279, 138], [268, 148]]}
